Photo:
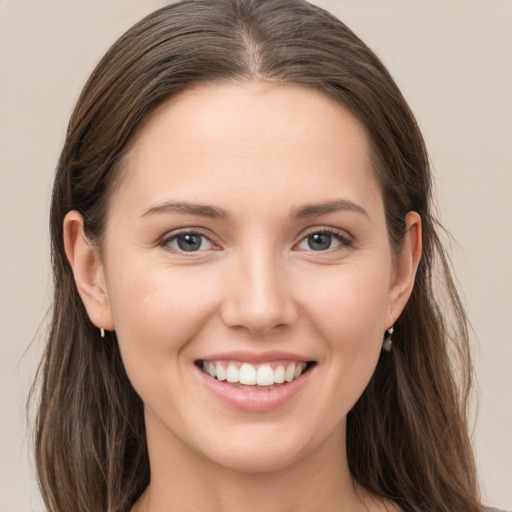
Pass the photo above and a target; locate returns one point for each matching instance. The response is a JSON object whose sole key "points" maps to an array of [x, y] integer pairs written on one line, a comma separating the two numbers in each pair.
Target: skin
{"points": [[260, 153]]}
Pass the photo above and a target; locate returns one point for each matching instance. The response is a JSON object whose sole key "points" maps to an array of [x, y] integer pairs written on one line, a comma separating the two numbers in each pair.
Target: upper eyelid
{"points": [[185, 231], [342, 233]]}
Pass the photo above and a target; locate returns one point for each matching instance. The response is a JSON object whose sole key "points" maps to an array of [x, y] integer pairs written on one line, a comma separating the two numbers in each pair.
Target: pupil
{"points": [[189, 242], [319, 241]]}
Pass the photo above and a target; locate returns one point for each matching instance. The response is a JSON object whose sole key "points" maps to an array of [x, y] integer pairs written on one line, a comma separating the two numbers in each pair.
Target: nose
{"points": [[258, 295]]}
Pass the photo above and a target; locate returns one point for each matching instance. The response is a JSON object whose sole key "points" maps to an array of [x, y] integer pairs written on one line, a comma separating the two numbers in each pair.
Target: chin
{"points": [[253, 460], [260, 450]]}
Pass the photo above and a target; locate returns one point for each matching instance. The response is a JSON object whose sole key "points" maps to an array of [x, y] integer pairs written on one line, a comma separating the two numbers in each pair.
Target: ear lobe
{"points": [[88, 271], [406, 266]]}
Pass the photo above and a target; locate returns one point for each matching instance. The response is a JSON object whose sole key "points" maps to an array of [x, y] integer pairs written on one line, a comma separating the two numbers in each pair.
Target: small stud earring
{"points": [[102, 333], [388, 342]]}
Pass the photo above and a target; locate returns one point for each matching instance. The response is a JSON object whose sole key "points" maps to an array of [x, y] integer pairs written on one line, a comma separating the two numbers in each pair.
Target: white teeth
{"points": [[247, 374], [265, 376], [221, 373], [251, 375], [279, 375], [232, 373], [289, 373]]}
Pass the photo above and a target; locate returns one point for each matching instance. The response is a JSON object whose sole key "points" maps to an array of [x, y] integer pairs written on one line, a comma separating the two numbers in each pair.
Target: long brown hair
{"points": [[407, 435]]}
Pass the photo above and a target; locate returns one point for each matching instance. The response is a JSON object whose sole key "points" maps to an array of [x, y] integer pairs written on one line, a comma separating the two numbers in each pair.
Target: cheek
{"points": [[348, 308], [156, 311]]}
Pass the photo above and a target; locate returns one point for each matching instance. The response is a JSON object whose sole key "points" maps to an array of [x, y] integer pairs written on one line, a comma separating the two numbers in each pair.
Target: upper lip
{"points": [[256, 357]]}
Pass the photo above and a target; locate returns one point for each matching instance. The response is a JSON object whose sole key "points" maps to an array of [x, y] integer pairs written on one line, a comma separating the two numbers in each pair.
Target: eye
{"points": [[188, 242], [322, 241]]}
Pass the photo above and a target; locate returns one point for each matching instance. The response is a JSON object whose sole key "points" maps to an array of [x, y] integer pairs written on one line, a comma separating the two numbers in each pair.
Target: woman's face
{"points": [[248, 240]]}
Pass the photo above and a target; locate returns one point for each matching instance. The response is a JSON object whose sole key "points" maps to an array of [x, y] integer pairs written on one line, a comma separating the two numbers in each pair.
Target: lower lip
{"points": [[252, 400]]}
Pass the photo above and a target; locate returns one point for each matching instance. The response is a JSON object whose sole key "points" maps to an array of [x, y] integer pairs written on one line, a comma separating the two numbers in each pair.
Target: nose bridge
{"points": [[258, 298]]}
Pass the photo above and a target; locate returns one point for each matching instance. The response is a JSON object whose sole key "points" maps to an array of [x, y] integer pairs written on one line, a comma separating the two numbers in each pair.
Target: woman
{"points": [[245, 314]]}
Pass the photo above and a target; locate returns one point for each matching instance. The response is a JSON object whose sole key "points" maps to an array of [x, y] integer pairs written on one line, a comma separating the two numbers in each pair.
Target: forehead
{"points": [[249, 139]]}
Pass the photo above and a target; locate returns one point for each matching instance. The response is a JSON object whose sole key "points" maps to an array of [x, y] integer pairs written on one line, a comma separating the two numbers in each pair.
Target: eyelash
{"points": [[166, 241], [344, 241]]}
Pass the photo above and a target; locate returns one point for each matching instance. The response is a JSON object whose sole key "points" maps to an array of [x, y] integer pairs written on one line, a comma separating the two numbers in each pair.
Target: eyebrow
{"points": [[323, 208], [213, 212], [202, 210]]}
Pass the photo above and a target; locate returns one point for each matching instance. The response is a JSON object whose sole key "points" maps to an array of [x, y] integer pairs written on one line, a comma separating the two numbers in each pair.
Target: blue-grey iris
{"points": [[319, 241], [189, 242]]}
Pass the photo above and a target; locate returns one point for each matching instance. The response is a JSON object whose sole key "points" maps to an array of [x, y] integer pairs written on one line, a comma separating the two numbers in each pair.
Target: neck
{"points": [[183, 480]]}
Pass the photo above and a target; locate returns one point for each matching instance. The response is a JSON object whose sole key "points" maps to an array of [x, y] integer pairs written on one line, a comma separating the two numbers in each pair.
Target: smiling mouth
{"points": [[264, 376]]}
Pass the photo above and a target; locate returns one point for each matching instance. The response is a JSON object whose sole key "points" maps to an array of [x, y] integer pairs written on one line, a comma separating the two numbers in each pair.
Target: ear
{"points": [[406, 265], [88, 271]]}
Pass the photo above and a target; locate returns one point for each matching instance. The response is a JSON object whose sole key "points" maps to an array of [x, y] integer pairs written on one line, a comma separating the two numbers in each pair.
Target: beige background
{"points": [[453, 60]]}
